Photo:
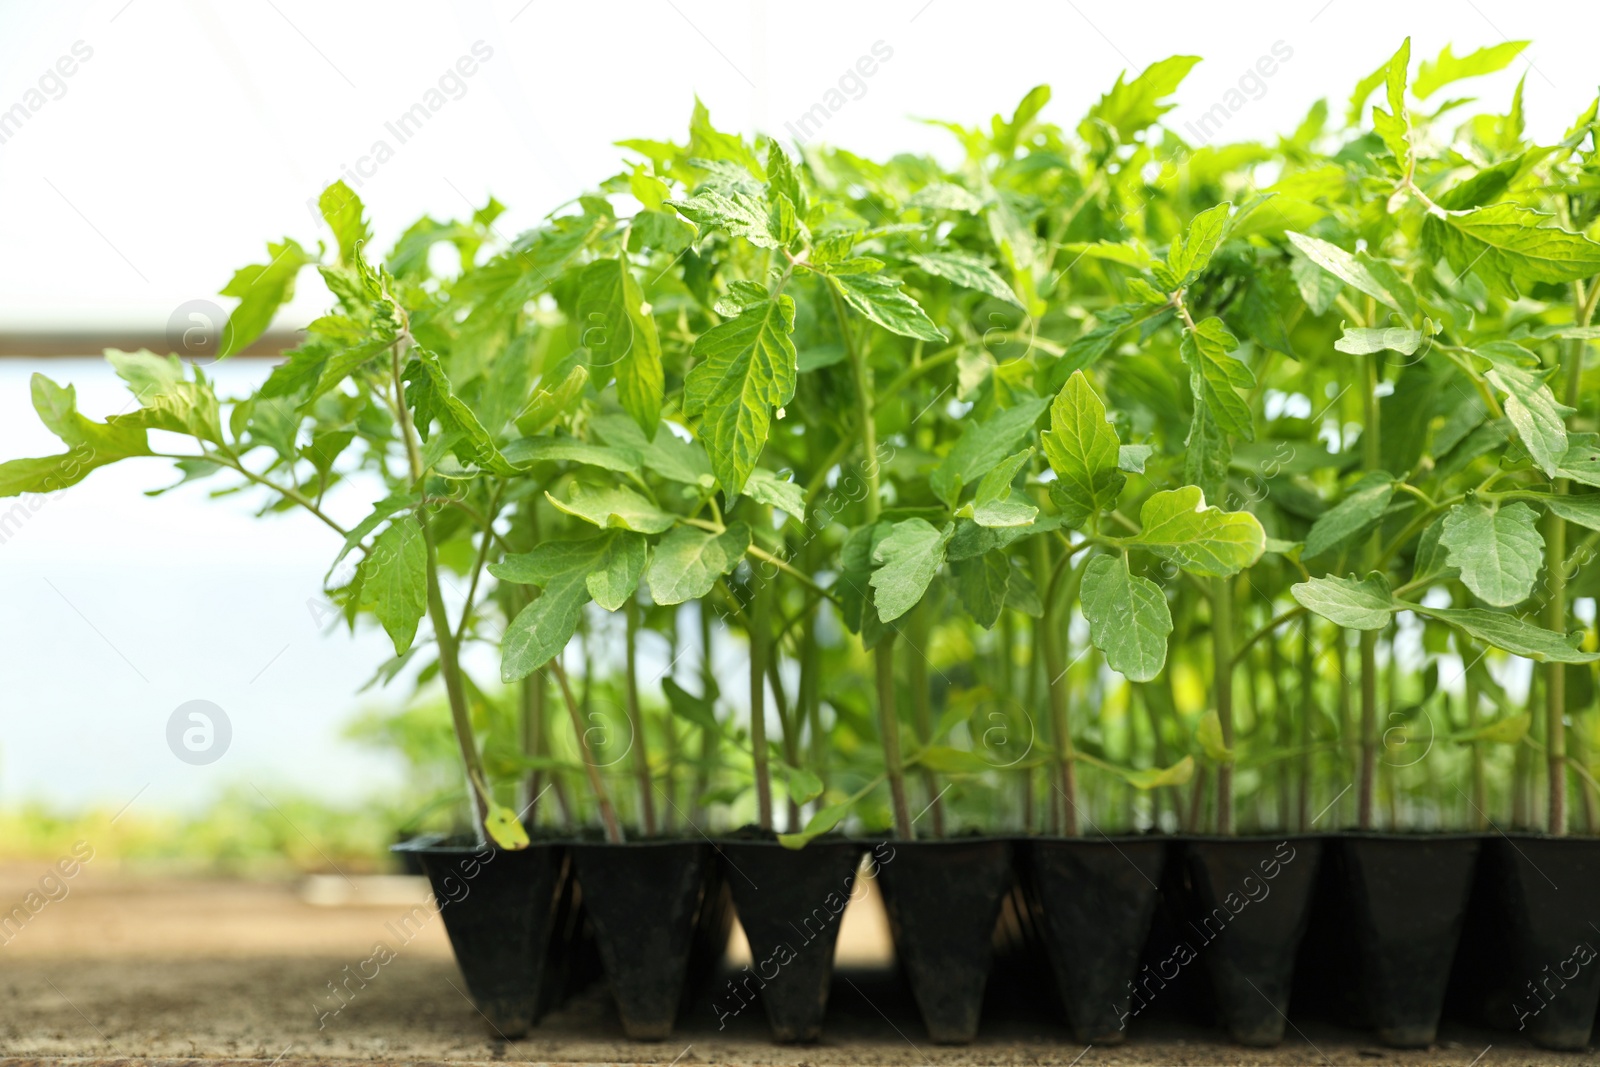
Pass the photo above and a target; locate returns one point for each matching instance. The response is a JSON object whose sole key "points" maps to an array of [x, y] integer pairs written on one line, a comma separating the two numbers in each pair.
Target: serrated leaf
{"points": [[1583, 510], [1507, 245], [1365, 604], [993, 505], [1506, 631], [1130, 107], [1342, 265], [1188, 256], [765, 487], [261, 289], [526, 451], [906, 561], [1178, 526], [1361, 340], [1128, 618], [688, 561], [621, 338], [1539, 419], [882, 301], [982, 445], [1357, 513], [1498, 550], [731, 211], [614, 507], [981, 582], [1215, 376], [616, 570], [1131, 458], [550, 403], [745, 367], [969, 271], [341, 209], [430, 396], [1082, 448], [395, 576], [542, 629], [1435, 74]]}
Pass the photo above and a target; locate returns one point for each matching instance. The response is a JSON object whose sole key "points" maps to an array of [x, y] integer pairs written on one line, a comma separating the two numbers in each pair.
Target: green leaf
{"points": [[802, 786], [1188, 256], [1134, 106], [429, 395], [1393, 125], [983, 445], [1128, 618], [1361, 340], [992, 505], [882, 300], [550, 403], [1498, 550], [616, 571], [1508, 730], [745, 367], [563, 570], [1209, 734], [1214, 375], [1353, 516], [342, 210], [969, 271], [765, 487], [1365, 604], [1583, 510], [1582, 460], [1342, 265], [1180, 773], [1082, 448], [1131, 458], [1539, 419], [1507, 245], [395, 576], [821, 822], [261, 290], [621, 336], [906, 561], [981, 582], [1510, 633], [615, 507], [733, 212], [685, 705], [688, 561], [1178, 526], [943, 759], [524, 452], [1435, 74]]}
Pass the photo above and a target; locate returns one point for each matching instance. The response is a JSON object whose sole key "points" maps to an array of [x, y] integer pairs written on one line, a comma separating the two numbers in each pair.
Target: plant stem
{"points": [[641, 755], [760, 636], [1222, 666], [449, 663], [708, 689], [608, 814], [889, 726], [921, 705], [1480, 801], [883, 653], [1371, 458]]}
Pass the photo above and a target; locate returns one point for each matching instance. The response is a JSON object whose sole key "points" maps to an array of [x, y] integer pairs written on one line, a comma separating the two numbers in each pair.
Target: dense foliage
{"points": [[1097, 481]]}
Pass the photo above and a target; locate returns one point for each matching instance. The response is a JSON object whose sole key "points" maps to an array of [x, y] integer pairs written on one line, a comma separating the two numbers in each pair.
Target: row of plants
{"points": [[1095, 482]]}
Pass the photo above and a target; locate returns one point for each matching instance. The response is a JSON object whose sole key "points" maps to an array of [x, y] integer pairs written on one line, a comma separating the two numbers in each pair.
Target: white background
{"points": [[197, 131]]}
